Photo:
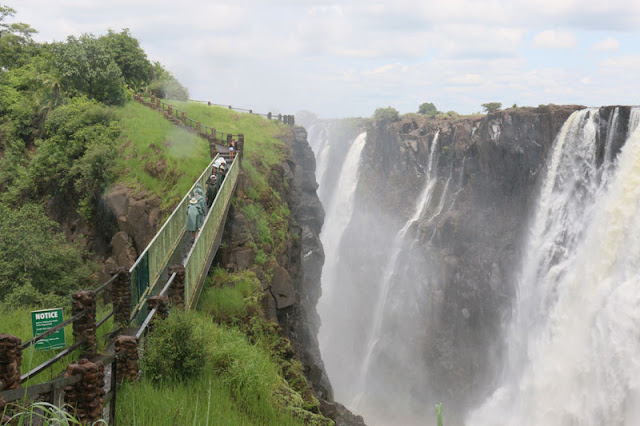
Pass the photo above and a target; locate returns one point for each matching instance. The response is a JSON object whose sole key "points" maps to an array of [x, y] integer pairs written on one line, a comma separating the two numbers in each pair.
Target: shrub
{"points": [[173, 351]]}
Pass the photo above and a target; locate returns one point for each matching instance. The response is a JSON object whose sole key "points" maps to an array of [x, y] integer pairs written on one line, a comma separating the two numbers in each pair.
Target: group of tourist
{"points": [[200, 202]]}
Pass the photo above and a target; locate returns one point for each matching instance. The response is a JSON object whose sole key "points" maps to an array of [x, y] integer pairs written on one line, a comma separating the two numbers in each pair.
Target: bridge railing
{"points": [[203, 250], [153, 261]]}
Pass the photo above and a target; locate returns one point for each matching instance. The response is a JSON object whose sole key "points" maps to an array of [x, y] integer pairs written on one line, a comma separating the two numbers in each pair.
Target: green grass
{"points": [[236, 386], [158, 155], [262, 147], [225, 302], [17, 321]]}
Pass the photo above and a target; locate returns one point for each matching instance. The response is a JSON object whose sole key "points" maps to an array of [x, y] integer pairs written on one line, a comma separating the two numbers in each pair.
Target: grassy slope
{"points": [[149, 139]]}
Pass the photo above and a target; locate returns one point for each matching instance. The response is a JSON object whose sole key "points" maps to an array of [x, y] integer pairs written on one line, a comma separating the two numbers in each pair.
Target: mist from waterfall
{"points": [[370, 339], [574, 339]]}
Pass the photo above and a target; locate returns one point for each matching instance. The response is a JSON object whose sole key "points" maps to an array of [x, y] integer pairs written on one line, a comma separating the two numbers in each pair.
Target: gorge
{"points": [[486, 262]]}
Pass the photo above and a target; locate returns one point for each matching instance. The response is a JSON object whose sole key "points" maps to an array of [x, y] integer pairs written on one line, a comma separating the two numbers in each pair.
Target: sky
{"points": [[345, 59]]}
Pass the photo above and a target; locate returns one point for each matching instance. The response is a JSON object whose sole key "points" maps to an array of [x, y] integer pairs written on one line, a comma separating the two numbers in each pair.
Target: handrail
{"points": [[105, 285], [250, 111], [209, 229], [48, 363]]}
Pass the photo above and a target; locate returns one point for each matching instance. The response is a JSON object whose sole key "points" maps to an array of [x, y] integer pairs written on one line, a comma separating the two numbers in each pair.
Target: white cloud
{"points": [[554, 39], [348, 58], [609, 44]]}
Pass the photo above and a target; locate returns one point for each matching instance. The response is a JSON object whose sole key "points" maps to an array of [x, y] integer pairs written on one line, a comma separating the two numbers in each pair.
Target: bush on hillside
{"points": [[36, 262], [173, 351]]}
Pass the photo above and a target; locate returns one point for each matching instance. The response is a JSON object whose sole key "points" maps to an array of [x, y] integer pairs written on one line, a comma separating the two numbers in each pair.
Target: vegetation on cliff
{"points": [[68, 132]]}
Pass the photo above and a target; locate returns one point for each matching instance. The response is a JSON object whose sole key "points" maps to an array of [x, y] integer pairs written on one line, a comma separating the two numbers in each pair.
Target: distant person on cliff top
{"points": [[232, 148]]}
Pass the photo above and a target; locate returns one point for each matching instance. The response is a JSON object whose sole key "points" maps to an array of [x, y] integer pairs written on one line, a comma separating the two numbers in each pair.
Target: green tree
{"points": [[136, 69], [388, 114], [166, 86], [16, 43], [491, 106], [428, 109], [36, 260], [86, 66]]}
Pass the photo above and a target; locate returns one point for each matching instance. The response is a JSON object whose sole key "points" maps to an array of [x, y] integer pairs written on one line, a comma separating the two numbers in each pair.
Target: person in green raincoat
{"points": [[198, 194], [193, 213], [212, 190]]}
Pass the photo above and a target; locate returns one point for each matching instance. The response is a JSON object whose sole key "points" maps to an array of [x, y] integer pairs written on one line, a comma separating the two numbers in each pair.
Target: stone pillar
{"points": [[121, 295], [269, 116], [279, 117], [161, 304], [85, 399], [153, 101], [127, 356], [176, 290], [158, 103], [213, 133], [85, 327], [229, 138], [230, 107], [250, 111], [170, 109], [209, 103], [10, 361], [198, 127], [293, 120], [184, 117], [166, 114]]}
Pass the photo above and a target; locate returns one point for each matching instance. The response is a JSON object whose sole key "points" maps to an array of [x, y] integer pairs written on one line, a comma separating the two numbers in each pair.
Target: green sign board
{"points": [[44, 320]]}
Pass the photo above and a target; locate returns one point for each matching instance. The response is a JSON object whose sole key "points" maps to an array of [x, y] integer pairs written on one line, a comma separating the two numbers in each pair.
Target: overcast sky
{"points": [[343, 59]]}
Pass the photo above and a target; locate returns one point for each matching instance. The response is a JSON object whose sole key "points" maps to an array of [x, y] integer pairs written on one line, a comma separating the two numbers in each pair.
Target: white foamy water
{"points": [[574, 343]]}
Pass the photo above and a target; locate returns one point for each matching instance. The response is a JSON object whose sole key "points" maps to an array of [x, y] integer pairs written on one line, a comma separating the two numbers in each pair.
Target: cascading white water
{"points": [[338, 216], [381, 300], [574, 342]]}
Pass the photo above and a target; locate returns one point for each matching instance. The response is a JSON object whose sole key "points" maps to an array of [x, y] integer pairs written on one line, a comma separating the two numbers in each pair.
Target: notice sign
{"points": [[44, 320]]}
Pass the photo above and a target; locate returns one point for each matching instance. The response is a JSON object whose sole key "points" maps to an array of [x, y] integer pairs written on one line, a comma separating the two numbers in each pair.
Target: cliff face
{"points": [[452, 277], [291, 280]]}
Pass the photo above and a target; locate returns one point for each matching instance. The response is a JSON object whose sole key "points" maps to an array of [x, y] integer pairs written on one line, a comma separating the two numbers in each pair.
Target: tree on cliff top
{"points": [[428, 109], [492, 106], [388, 114]]}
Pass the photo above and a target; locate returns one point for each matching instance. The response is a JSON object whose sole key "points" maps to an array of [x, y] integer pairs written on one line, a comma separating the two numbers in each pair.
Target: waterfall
{"points": [[574, 340], [339, 214], [381, 300]]}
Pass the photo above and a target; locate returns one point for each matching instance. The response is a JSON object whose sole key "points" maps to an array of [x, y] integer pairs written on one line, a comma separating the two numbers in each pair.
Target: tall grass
{"points": [[236, 386]]}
